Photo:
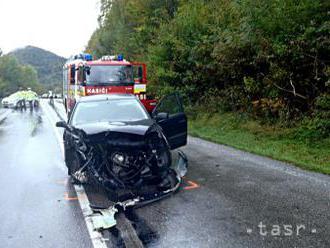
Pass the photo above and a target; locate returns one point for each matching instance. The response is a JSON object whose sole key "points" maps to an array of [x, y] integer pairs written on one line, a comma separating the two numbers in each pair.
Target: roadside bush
{"points": [[267, 58], [318, 126]]}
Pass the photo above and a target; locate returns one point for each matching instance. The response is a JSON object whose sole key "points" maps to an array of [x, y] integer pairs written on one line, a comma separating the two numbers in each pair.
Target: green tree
{"points": [[268, 57], [14, 76]]}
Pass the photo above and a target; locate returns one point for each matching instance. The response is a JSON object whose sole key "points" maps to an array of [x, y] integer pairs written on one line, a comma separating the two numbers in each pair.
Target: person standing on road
{"points": [[31, 97], [51, 98], [21, 99]]}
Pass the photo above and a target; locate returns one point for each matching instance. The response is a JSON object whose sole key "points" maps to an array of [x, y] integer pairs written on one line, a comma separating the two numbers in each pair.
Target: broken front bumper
{"points": [[104, 218]]}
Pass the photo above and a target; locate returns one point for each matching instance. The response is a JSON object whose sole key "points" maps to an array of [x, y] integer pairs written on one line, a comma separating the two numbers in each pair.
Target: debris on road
{"points": [[104, 218]]}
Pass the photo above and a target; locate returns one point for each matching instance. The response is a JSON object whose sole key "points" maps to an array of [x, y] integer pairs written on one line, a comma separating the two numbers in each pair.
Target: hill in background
{"points": [[47, 64]]}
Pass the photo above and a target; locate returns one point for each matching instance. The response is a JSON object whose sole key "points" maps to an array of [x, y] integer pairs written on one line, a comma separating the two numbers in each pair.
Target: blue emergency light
{"points": [[88, 57], [120, 57]]}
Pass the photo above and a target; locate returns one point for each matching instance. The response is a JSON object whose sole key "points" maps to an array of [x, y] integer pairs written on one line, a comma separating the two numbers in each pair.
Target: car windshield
{"points": [[119, 110], [109, 74]]}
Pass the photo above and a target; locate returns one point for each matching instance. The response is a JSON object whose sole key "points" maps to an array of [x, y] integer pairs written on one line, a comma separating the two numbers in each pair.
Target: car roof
{"points": [[105, 97]]}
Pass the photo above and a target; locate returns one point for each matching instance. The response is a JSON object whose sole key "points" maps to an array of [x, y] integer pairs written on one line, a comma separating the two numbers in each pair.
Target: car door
{"points": [[169, 114]]}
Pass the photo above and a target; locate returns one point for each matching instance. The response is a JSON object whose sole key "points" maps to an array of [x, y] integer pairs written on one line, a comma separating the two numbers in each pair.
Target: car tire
{"points": [[71, 161]]}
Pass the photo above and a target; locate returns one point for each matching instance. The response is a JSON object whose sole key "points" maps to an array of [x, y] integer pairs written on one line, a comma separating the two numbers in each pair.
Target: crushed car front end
{"points": [[129, 159], [112, 141]]}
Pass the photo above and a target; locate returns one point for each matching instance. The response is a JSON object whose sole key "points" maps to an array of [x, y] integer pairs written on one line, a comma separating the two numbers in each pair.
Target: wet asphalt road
{"points": [[34, 211], [238, 191], [3, 113], [226, 195]]}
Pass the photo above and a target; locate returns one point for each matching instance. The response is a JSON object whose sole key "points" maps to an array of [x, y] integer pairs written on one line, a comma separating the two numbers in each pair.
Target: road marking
{"points": [[192, 185], [68, 198], [63, 182], [97, 240]]}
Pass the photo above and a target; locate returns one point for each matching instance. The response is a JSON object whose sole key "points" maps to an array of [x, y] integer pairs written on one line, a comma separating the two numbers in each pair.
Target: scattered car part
{"points": [[104, 218]]}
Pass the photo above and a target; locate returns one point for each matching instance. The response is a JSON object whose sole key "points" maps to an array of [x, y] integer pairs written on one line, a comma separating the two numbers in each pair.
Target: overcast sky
{"points": [[60, 26]]}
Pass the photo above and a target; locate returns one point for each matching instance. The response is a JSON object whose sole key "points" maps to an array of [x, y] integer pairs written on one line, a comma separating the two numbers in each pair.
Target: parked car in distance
{"points": [[9, 102]]}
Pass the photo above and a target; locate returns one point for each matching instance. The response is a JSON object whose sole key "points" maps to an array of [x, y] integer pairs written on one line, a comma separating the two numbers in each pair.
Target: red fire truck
{"points": [[83, 76]]}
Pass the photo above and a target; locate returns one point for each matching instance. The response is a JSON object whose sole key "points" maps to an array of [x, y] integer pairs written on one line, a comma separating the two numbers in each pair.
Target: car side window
{"points": [[170, 104]]}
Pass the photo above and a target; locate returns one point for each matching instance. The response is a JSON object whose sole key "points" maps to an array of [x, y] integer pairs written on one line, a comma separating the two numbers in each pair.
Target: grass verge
{"points": [[271, 141]]}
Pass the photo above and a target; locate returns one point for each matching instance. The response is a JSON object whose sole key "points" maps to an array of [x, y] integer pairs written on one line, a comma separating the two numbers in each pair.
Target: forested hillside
{"points": [[265, 62], [48, 65], [14, 76]]}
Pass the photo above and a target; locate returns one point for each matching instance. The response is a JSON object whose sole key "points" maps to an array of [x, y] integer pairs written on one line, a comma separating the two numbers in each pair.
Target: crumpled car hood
{"points": [[137, 127]]}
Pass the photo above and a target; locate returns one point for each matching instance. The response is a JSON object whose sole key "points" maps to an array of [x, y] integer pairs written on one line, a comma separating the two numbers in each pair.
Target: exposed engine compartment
{"points": [[126, 164]]}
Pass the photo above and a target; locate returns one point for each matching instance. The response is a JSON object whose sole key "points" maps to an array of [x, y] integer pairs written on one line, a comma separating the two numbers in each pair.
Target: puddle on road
{"points": [[33, 118], [3, 123], [36, 123], [2, 130]]}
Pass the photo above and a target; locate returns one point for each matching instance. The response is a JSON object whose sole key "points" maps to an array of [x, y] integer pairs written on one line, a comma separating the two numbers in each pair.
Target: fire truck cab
{"points": [[83, 76]]}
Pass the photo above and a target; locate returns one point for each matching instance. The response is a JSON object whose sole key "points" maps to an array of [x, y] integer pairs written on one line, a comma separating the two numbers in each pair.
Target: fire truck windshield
{"points": [[109, 74]]}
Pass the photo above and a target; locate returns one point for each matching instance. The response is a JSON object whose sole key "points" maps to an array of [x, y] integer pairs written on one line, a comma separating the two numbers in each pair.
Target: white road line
{"points": [[96, 237]]}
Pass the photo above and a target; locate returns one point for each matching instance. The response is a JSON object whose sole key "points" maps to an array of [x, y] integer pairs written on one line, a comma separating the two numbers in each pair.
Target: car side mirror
{"points": [[161, 116], [62, 124]]}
